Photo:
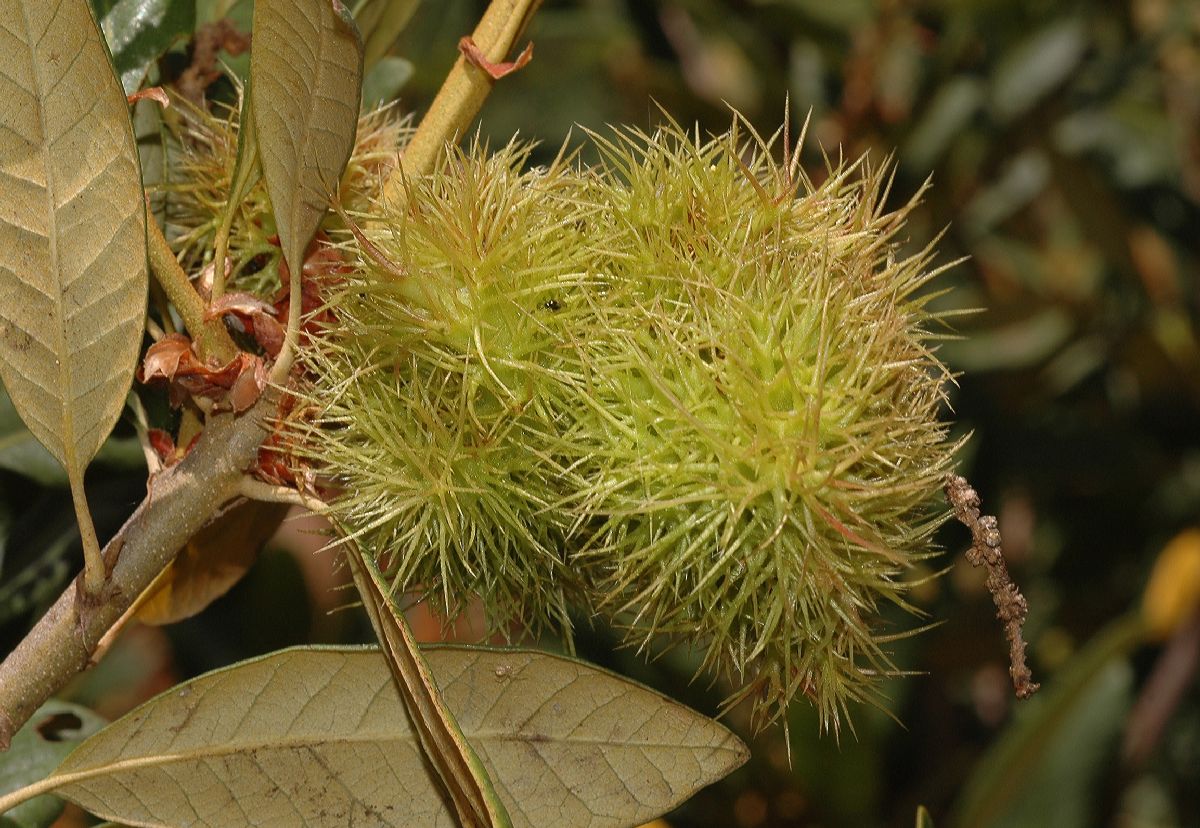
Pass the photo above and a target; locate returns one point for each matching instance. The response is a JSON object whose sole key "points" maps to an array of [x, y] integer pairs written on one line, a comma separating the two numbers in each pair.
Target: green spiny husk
{"points": [[202, 146], [688, 389], [442, 390], [771, 453]]}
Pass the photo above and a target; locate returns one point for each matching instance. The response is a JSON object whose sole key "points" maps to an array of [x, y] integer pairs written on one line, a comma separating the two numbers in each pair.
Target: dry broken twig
{"points": [[1011, 607]]}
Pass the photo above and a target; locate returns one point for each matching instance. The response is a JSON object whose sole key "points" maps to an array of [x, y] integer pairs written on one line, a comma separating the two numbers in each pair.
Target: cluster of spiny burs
{"points": [[685, 389]]}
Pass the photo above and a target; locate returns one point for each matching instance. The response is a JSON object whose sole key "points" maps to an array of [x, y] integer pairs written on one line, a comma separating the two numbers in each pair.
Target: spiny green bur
{"points": [[442, 389], [767, 452], [687, 389], [202, 147]]}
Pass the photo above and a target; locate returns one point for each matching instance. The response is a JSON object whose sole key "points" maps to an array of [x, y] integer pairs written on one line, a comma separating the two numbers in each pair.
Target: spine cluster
{"points": [[687, 389]]}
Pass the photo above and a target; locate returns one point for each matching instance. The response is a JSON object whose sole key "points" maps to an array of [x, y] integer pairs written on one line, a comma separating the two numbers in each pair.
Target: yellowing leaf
{"points": [[73, 266], [319, 737], [1173, 593], [306, 79], [214, 560]]}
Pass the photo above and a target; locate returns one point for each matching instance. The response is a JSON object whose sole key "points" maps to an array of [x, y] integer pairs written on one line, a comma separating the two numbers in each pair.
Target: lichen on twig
{"points": [[985, 551]]}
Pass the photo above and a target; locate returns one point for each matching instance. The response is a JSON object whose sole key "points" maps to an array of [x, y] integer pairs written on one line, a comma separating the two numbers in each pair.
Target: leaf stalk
{"points": [[212, 340], [93, 559]]}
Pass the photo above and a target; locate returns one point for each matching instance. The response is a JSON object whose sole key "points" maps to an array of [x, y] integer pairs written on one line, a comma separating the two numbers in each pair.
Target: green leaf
{"points": [[385, 80], [1058, 736], [246, 172], [73, 272], [1035, 67], [945, 118], [306, 72], [31, 583], [6, 522], [319, 737], [20, 451], [38, 747], [924, 820], [139, 32], [381, 23]]}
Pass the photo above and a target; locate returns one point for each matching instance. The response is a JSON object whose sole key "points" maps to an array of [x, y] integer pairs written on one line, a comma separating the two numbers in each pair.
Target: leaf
{"points": [[139, 32], [213, 561], [381, 23], [20, 451], [306, 78], [1035, 67], [944, 119], [456, 763], [246, 172], [1056, 736], [385, 79], [246, 169], [37, 748], [73, 272], [319, 737], [924, 820], [6, 523], [32, 582]]}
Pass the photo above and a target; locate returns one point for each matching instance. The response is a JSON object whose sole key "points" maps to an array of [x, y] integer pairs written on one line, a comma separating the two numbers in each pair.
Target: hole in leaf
{"points": [[59, 727]]}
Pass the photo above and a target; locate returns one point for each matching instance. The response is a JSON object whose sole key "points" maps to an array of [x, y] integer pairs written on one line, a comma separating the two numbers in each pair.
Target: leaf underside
{"points": [[319, 737], [73, 268], [459, 770], [306, 77]]}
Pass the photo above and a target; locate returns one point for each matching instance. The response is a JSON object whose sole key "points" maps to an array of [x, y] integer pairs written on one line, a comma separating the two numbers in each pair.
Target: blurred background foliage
{"points": [[1063, 142]]}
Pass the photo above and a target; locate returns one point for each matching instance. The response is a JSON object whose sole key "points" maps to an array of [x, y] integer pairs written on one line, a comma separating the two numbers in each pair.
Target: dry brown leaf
{"points": [[495, 70], [213, 561]]}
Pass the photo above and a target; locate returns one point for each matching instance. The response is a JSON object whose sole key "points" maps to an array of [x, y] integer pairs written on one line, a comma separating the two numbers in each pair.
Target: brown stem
{"points": [[179, 502], [462, 94], [985, 551]]}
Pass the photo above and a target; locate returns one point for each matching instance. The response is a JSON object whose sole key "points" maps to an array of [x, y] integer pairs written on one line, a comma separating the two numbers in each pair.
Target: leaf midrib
{"points": [[67, 430], [298, 744]]}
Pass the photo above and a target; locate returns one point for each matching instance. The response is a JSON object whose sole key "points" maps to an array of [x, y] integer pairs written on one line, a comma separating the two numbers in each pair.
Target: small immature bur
{"points": [[1011, 607]]}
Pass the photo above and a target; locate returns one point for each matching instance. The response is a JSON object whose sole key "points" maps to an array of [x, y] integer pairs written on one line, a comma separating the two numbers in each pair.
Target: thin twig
{"points": [[985, 551]]}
